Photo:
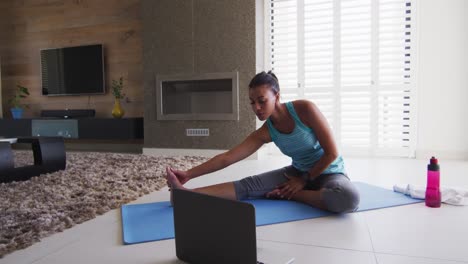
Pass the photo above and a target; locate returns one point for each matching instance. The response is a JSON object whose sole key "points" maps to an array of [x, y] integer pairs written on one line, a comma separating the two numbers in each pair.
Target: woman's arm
{"points": [[251, 144], [311, 116]]}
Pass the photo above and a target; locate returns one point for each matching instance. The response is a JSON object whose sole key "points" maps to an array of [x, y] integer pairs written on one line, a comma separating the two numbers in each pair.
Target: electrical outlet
{"points": [[197, 132]]}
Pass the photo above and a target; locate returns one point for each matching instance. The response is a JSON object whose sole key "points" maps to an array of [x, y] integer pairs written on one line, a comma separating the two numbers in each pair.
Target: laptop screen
{"points": [[209, 229]]}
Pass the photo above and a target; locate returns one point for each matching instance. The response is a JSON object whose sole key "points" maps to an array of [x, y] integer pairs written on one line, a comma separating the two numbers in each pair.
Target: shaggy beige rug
{"points": [[92, 184]]}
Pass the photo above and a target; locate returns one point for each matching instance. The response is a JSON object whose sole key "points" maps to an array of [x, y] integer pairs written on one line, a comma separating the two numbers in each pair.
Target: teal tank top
{"points": [[302, 145]]}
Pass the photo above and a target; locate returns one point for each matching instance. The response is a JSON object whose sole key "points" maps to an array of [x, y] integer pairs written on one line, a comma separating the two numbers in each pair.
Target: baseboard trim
{"points": [[209, 153], [181, 152], [441, 154]]}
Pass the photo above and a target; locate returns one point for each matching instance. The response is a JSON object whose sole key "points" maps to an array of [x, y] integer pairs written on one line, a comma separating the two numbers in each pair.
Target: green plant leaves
{"points": [[117, 87], [20, 92]]}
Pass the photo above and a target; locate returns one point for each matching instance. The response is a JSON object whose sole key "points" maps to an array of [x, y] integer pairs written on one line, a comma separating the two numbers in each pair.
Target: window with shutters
{"points": [[355, 60]]}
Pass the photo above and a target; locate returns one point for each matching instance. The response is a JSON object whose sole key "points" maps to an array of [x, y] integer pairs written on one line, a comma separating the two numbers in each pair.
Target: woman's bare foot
{"points": [[172, 181]]}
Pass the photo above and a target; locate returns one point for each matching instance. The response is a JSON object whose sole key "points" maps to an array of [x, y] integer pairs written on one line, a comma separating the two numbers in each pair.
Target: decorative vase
{"points": [[117, 111], [16, 112]]}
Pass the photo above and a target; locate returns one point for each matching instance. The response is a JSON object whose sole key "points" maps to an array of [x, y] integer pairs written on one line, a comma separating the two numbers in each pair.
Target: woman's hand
{"points": [[289, 188], [182, 176]]}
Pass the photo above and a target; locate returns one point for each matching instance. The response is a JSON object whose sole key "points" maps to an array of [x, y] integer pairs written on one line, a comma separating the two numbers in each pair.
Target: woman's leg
{"points": [[312, 198], [334, 192], [251, 187], [259, 185], [224, 190]]}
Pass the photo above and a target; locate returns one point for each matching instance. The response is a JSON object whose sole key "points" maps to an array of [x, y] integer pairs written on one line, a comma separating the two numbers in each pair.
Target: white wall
{"points": [[443, 79]]}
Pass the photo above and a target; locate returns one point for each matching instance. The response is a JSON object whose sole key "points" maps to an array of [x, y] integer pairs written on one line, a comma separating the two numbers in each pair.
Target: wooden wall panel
{"points": [[1, 112], [28, 26]]}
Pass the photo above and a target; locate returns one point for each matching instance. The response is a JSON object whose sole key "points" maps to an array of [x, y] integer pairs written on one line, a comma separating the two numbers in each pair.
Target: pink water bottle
{"points": [[433, 184]]}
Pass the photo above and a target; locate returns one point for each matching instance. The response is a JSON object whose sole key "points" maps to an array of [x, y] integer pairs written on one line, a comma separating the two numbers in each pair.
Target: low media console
{"points": [[68, 113], [78, 128]]}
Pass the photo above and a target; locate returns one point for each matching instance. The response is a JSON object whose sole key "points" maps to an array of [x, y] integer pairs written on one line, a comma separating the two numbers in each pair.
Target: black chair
{"points": [[49, 156]]}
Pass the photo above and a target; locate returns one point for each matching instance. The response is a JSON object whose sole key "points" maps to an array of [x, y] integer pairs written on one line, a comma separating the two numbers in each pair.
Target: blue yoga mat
{"points": [[155, 221]]}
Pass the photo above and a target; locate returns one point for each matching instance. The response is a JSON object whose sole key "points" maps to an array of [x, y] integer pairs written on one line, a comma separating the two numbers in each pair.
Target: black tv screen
{"points": [[73, 70]]}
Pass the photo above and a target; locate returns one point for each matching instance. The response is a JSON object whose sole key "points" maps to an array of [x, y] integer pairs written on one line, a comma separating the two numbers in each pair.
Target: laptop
{"points": [[210, 230]]}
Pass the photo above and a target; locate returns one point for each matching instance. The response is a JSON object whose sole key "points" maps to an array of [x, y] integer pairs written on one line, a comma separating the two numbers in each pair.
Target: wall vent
{"points": [[197, 132]]}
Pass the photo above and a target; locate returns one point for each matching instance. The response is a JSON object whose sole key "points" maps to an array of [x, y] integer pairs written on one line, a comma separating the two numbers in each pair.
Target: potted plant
{"points": [[16, 106], [117, 91]]}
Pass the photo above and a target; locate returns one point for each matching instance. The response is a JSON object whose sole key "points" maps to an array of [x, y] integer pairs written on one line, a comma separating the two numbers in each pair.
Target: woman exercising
{"points": [[317, 175]]}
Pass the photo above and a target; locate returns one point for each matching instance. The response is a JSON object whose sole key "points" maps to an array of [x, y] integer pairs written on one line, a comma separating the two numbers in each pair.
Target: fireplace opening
{"points": [[210, 96]]}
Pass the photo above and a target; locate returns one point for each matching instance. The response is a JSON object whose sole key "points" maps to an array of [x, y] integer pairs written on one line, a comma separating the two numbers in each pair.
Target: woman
{"points": [[317, 175]]}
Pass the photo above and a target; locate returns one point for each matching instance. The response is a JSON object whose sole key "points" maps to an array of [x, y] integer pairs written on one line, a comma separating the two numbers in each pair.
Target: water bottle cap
{"points": [[433, 164]]}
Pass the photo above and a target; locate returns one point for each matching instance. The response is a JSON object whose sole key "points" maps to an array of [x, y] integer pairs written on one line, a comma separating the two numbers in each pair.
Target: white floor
{"points": [[408, 234]]}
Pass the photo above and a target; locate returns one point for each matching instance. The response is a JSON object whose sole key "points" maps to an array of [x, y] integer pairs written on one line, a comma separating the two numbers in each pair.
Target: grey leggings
{"points": [[337, 192]]}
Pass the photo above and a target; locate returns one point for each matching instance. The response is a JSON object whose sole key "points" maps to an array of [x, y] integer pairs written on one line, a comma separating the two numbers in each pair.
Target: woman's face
{"points": [[263, 100]]}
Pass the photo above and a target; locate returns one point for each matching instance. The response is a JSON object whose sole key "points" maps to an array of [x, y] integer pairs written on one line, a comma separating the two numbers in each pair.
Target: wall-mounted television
{"points": [[73, 70]]}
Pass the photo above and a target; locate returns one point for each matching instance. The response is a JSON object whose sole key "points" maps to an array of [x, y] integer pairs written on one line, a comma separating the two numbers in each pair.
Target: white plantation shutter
{"points": [[355, 60], [318, 56], [356, 75], [283, 50], [396, 69]]}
